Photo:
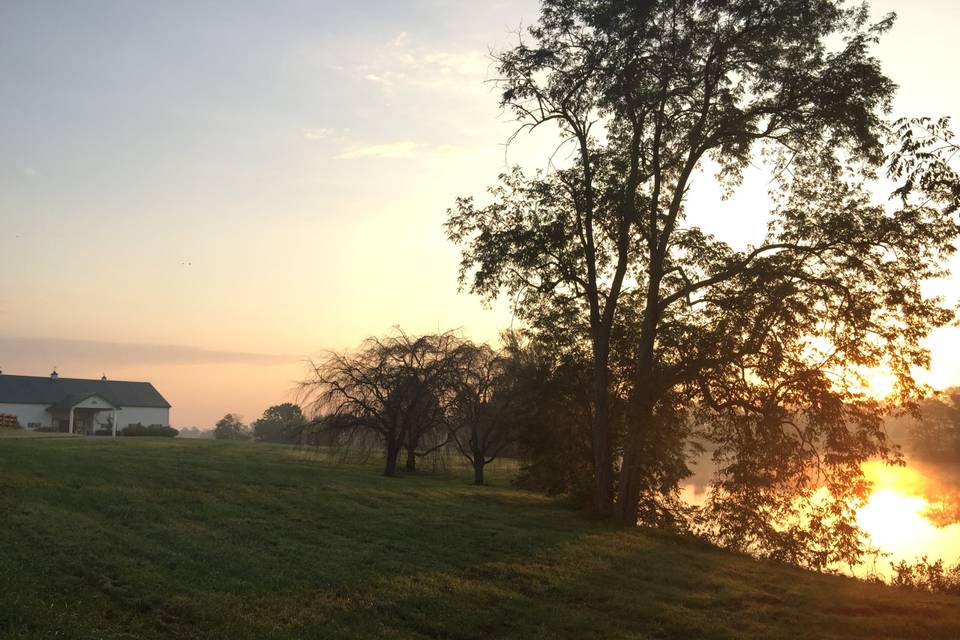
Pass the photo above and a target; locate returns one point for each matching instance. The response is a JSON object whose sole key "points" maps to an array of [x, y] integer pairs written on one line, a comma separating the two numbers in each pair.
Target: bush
{"points": [[154, 430], [927, 576]]}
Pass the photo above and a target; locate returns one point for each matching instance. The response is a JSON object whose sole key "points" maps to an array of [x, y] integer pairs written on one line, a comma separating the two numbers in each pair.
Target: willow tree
{"points": [[480, 413], [764, 339], [393, 389]]}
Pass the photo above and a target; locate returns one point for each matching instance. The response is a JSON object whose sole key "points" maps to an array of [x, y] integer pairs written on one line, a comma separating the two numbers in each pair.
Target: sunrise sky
{"points": [[205, 194]]}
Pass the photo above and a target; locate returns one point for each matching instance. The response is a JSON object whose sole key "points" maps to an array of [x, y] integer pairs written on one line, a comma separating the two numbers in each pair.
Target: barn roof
{"points": [[48, 390], [74, 399]]}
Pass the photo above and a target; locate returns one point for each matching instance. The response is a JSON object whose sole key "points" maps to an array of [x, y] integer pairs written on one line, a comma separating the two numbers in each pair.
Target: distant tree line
{"points": [[231, 427], [282, 423], [195, 432], [932, 433]]}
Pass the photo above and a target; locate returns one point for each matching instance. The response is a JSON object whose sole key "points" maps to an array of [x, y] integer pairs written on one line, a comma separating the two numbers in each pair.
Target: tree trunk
{"points": [[628, 495], [411, 459], [643, 401], [641, 420], [600, 431], [393, 452], [478, 472]]}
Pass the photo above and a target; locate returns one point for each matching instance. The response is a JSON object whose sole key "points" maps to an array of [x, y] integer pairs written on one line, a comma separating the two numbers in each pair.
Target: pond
{"points": [[912, 511]]}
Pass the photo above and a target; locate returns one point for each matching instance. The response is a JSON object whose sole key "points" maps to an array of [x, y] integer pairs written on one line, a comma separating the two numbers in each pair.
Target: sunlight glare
{"points": [[895, 520], [895, 515]]}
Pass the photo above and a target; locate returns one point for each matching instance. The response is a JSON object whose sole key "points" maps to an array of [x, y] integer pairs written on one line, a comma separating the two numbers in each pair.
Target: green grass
{"points": [[144, 538], [25, 433]]}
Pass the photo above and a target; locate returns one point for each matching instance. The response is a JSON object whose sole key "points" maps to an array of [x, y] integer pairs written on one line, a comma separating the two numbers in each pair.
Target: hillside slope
{"points": [[142, 538]]}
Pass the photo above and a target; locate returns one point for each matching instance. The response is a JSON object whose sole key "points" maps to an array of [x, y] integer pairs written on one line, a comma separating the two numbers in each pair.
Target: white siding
{"points": [[144, 415], [27, 413]]}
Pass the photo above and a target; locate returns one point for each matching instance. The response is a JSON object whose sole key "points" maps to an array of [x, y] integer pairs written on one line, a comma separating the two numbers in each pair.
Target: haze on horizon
{"points": [[204, 196]]}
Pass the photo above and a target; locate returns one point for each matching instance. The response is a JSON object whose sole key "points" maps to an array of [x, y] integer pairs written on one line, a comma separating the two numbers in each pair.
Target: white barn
{"points": [[76, 405]]}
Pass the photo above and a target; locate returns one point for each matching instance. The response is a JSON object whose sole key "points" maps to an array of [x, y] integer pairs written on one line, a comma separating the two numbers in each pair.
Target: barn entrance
{"points": [[83, 414]]}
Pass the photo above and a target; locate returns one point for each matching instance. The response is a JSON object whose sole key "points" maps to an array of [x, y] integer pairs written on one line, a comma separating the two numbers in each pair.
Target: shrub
{"points": [[928, 576], [153, 430]]}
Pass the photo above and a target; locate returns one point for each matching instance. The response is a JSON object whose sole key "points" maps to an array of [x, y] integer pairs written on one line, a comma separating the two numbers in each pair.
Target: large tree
{"points": [[763, 339]]}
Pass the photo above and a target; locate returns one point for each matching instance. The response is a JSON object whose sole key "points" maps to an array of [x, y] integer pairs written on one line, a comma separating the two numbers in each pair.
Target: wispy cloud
{"points": [[29, 354], [403, 150], [396, 150], [317, 133], [28, 170], [403, 62]]}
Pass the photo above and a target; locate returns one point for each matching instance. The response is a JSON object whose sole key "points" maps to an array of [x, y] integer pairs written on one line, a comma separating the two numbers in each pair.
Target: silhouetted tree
{"points": [[481, 411], [762, 341], [553, 425], [280, 423], [392, 387], [231, 427], [553, 416]]}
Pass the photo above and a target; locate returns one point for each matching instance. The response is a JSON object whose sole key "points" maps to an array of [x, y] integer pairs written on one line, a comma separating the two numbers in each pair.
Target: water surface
{"points": [[912, 512]]}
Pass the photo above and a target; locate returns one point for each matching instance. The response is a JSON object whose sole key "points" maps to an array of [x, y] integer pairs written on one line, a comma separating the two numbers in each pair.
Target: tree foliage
{"points": [[280, 423], [764, 344], [935, 432], [231, 427], [420, 394], [925, 575], [554, 417]]}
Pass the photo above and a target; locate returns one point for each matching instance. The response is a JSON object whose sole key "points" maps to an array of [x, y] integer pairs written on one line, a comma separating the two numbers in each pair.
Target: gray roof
{"points": [[46, 390], [73, 400]]}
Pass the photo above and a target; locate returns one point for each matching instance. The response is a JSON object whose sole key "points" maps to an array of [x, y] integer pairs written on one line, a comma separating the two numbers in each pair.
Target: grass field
{"points": [[144, 538]]}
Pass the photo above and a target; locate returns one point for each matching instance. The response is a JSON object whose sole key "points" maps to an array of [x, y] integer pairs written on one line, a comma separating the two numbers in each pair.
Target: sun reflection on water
{"points": [[897, 515], [894, 520], [911, 512]]}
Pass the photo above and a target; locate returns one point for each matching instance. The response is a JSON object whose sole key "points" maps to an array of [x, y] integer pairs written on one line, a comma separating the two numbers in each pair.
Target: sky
{"points": [[207, 194]]}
